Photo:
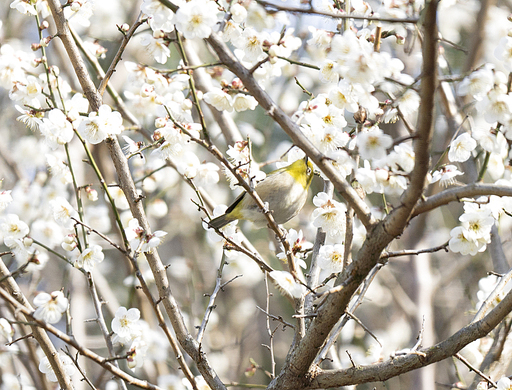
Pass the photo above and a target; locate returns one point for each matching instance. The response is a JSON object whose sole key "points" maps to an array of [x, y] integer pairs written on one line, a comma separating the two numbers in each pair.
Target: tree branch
{"points": [[380, 372], [457, 193]]}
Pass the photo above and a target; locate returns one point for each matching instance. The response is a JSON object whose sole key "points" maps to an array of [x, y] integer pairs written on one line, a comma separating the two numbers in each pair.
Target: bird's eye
{"points": [[308, 171]]}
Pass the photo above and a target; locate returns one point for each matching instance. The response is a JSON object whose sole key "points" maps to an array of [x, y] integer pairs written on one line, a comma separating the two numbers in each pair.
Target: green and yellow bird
{"points": [[285, 190]]}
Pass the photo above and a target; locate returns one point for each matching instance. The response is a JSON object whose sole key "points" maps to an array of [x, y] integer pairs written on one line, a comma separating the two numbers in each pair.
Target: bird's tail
{"points": [[221, 221]]}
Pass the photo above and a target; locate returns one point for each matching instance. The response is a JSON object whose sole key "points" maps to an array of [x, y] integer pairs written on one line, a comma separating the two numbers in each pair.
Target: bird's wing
{"points": [[235, 203]]}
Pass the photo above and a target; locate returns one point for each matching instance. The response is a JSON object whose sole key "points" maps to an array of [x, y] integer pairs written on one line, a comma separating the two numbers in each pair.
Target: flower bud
{"points": [[157, 34], [69, 243], [237, 84], [92, 194], [75, 6], [186, 104], [160, 122]]}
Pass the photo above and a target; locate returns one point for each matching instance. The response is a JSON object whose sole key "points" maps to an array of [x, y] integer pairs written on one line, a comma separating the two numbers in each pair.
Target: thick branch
{"points": [[14, 295], [65, 36], [457, 193], [399, 365], [299, 360], [396, 221]]}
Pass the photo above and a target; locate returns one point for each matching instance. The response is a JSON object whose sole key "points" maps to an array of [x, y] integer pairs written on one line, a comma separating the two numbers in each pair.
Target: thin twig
{"points": [[351, 315], [472, 368], [111, 69], [407, 252], [334, 16], [211, 303], [276, 318]]}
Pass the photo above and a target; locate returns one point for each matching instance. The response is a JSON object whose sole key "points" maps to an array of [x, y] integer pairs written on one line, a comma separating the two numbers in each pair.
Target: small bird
{"points": [[285, 190]]}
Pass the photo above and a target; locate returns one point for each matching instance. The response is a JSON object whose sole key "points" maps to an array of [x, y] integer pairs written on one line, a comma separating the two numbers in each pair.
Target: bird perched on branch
{"points": [[284, 190]]}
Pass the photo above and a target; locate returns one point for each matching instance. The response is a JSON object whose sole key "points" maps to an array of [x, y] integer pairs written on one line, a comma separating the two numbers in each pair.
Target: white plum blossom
{"points": [[330, 138], [56, 129], [299, 247], [329, 215], [328, 73], [495, 167], [477, 225], [243, 102], [401, 159], [330, 257], [232, 31], [46, 368], [139, 240], [11, 227], [341, 161], [63, 212], [69, 243], [188, 164], [409, 102], [99, 125], [461, 148], [21, 248], [446, 175], [486, 286], [373, 143], [24, 7], [119, 197], [136, 353], [28, 91], [459, 243], [156, 46], [490, 140], [207, 174], [366, 177], [50, 307], [478, 83], [196, 18], [238, 12], [126, 324], [251, 44], [79, 12], [248, 169], [59, 169], [496, 105], [343, 96], [160, 16], [503, 52], [504, 383], [475, 231], [319, 37], [89, 258], [30, 118], [219, 99], [287, 284]]}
